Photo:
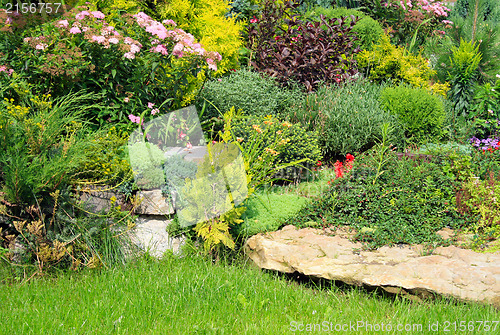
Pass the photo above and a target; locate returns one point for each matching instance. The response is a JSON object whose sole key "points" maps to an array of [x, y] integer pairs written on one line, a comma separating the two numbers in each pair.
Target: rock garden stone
{"points": [[448, 271]]}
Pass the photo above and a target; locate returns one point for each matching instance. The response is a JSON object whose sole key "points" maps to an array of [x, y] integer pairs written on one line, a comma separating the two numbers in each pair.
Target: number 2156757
{"points": [[33, 8]]}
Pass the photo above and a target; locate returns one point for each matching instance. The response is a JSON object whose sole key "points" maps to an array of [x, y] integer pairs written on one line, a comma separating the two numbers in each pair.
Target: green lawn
{"points": [[193, 296]]}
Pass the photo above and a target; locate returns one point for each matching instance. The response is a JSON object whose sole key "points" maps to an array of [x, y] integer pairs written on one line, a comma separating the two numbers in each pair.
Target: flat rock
{"points": [[98, 200], [150, 235], [154, 203], [448, 271]]}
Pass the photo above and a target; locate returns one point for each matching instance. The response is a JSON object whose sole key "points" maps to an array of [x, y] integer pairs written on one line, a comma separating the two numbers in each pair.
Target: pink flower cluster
{"points": [[4, 68], [433, 7], [135, 119], [96, 30], [185, 42], [154, 111]]}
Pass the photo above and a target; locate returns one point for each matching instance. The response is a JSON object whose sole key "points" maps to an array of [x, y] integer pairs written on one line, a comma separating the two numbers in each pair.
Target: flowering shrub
{"points": [[287, 142], [408, 203], [482, 198], [208, 21], [341, 169], [405, 18], [130, 60]]}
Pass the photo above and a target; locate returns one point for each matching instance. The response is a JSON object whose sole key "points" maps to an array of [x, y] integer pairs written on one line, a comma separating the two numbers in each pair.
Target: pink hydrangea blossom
{"points": [[80, 16], [169, 23], [113, 40], [129, 55], [98, 15], [158, 30], [75, 30], [134, 48], [62, 24], [99, 39], [211, 64], [160, 48], [178, 50]]}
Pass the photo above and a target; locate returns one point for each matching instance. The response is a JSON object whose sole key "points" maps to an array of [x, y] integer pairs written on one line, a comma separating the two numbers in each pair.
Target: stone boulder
{"points": [[448, 271]]}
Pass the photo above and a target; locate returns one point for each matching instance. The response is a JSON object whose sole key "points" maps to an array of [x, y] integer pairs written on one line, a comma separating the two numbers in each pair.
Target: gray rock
{"points": [[154, 203], [97, 200], [449, 271], [195, 154], [150, 235]]}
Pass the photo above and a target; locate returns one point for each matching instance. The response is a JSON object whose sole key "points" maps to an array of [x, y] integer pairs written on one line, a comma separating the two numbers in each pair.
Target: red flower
{"points": [[318, 163], [349, 157], [254, 20]]}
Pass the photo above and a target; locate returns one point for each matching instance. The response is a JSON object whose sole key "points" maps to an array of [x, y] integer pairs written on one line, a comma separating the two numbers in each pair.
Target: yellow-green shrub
{"points": [[206, 20], [389, 62]]}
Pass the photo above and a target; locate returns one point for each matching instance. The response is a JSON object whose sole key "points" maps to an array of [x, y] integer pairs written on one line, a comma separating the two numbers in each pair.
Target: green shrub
{"points": [[268, 212], [367, 29], [176, 171], [107, 160], [247, 90], [146, 160], [463, 75], [297, 142], [407, 203], [387, 62], [348, 117], [479, 198], [43, 145], [420, 112]]}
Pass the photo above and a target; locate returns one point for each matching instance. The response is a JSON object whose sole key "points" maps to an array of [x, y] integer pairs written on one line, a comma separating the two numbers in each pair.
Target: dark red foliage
{"points": [[308, 52]]}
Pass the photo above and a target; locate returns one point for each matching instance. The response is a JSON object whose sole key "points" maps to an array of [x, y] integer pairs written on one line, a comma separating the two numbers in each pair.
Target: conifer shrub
{"points": [[249, 91], [420, 112], [390, 62]]}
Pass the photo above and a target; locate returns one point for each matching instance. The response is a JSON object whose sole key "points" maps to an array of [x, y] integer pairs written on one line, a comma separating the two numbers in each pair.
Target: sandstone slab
{"points": [[448, 271]]}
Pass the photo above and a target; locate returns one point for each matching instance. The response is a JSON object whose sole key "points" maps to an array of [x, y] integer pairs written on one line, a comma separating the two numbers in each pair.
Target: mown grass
{"points": [[194, 296]]}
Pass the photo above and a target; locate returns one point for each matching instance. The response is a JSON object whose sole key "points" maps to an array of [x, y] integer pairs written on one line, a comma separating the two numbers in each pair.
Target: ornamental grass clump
{"points": [[44, 143]]}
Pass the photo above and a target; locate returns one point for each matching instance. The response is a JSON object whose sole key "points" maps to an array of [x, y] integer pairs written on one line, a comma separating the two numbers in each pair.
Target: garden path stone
{"points": [[448, 271], [154, 203], [150, 234]]}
